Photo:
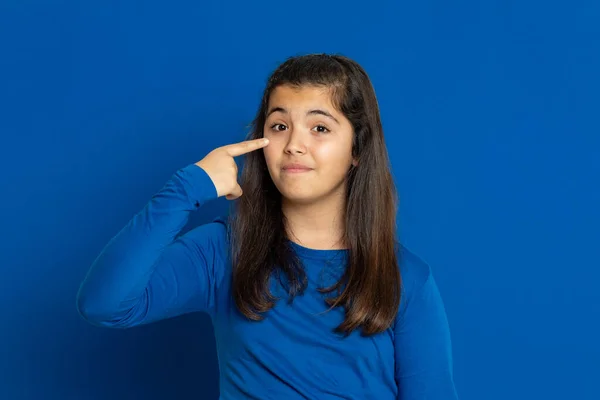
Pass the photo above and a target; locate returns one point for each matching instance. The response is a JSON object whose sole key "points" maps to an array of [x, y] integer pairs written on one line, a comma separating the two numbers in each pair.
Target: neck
{"points": [[319, 225]]}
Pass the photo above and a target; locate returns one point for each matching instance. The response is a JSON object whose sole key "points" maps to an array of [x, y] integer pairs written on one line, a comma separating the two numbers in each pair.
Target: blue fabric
{"points": [[148, 272]]}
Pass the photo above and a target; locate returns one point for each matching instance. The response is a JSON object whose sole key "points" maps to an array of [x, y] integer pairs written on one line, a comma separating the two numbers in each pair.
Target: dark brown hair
{"points": [[369, 289]]}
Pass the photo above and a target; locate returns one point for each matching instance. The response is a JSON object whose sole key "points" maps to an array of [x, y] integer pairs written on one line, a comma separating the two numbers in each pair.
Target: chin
{"points": [[298, 196]]}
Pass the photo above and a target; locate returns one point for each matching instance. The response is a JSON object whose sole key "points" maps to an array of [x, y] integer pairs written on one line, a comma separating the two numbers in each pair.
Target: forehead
{"points": [[303, 96]]}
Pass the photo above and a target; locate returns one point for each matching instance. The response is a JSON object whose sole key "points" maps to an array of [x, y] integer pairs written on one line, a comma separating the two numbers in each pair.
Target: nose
{"points": [[295, 144]]}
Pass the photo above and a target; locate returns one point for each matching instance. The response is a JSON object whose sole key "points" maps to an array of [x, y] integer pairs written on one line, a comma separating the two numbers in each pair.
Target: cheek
{"points": [[268, 150], [270, 154], [333, 156]]}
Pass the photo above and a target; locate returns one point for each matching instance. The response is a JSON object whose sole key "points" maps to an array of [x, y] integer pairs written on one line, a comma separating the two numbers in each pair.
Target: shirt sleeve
{"points": [[146, 273], [422, 343]]}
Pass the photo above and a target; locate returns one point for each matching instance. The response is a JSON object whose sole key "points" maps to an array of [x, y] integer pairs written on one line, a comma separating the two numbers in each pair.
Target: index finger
{"points": [[237, 149]]}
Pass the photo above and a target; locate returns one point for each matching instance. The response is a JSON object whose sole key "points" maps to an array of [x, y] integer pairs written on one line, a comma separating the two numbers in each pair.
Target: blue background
{"points": [[490, 111]]}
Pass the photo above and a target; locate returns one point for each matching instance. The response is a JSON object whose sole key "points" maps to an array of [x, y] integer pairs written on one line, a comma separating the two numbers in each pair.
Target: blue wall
{"points": [[491, 116]]}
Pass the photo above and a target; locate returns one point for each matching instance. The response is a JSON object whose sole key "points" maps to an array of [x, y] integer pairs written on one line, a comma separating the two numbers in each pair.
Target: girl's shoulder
{"points": [[414, 270], [416, 275]]}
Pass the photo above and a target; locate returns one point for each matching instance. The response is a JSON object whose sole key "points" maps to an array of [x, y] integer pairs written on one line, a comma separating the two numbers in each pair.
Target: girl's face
{"points": [[310, 144]]}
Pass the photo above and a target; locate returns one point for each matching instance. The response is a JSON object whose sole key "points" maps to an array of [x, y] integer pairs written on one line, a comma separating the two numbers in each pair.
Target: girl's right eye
{"points": [[278, 127]]}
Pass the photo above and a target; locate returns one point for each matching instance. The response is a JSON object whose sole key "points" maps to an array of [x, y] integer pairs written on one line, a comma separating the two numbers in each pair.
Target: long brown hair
{"points": [[369, 289]]}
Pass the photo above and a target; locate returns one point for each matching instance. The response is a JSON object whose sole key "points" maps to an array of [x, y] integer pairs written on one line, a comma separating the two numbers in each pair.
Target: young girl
{"points": [[310, 293]]}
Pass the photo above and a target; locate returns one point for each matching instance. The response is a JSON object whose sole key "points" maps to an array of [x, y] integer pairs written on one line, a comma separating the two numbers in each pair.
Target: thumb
{"points": [[235, 193]]}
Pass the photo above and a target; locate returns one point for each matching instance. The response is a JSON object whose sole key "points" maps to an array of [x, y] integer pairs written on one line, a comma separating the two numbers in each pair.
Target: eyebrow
{"points": [[310, 112]]}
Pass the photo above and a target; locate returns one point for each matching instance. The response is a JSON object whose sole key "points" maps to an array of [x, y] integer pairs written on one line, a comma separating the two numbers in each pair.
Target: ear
{"points": [[354, 162]]}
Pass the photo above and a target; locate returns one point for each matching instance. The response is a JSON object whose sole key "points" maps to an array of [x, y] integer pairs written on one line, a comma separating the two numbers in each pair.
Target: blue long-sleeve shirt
{"points": [[148, 272]]}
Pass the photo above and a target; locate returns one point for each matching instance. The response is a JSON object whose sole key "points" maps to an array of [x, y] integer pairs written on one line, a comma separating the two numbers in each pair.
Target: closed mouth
{"points": [[296, 169]]}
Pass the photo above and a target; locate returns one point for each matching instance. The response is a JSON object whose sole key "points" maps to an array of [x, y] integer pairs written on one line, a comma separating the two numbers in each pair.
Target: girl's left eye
{"points": [[321, 129]]}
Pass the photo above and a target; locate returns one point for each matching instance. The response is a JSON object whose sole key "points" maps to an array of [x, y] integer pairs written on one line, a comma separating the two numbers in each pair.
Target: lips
{"points": [[296, 167]]}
